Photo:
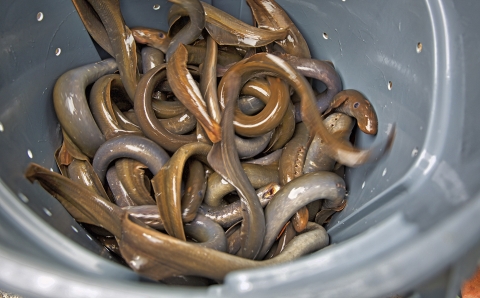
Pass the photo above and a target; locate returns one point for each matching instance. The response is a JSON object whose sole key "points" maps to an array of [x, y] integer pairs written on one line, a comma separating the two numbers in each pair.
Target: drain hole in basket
{"points": [[419, 47], [156, 7], [58, 51], [23, 197], [325, 35], [47, 212], [390, 85], [414, 152], [29, 153], [40, 16], [1, 127]]}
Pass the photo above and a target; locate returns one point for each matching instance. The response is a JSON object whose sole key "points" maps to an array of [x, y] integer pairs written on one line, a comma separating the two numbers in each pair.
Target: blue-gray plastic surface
{"points": [[411, 223]]}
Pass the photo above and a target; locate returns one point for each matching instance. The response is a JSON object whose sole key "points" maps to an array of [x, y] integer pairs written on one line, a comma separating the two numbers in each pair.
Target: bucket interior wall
{"points": [[399, 54]]}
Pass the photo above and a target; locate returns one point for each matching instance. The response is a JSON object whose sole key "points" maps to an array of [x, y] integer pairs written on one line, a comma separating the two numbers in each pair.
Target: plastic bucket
{"points": [[411, 224]]}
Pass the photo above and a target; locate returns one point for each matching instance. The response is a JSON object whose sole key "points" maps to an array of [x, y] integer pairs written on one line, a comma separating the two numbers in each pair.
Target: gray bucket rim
{"points": [[23, 269]]}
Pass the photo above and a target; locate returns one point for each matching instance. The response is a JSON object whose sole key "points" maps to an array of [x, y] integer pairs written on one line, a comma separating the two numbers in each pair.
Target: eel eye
{"points": [[161, 35], [356, 105]]}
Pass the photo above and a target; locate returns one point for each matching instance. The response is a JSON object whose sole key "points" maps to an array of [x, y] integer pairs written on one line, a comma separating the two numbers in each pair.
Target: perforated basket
{"points": [[411, 223]]}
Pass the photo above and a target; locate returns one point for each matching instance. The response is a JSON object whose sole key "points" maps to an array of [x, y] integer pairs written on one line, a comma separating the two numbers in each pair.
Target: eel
{"points": [[122, 42], [192, 30], [293, 156], [270, 116], [258, 175], [269, 15], [195, 188], [146, 116], [151, 57], [295, 194], [186, 90], [102, 108], [228, 215], [319, 70], [71, 106], [121, 196], [154, 254], [93, 24], [291, 165], [91, 208], [224, 159], [196, 53], [250, 147], [342, 152], [166, 184], [339, 125], [81, 171], [354, 104], [131, 146], [208, 80], [228, 30], [131, 174]]}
